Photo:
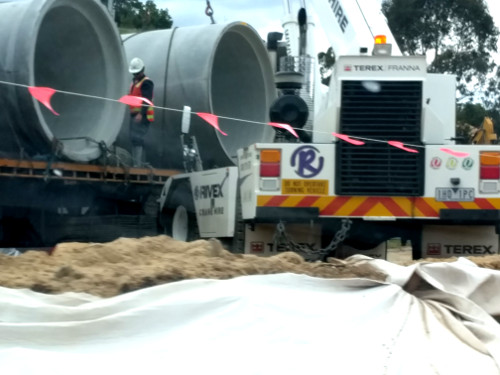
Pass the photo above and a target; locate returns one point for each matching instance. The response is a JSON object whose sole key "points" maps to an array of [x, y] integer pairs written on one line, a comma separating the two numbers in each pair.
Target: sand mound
{"points": [[128, 264]]}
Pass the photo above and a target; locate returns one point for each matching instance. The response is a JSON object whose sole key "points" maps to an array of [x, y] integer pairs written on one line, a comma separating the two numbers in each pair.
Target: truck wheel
{"points": [[178, 217]]}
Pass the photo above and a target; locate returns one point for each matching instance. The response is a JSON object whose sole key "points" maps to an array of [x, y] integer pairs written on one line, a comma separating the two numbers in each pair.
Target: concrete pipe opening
{"points": [[71, 46], [222, 69], [240, 89]]}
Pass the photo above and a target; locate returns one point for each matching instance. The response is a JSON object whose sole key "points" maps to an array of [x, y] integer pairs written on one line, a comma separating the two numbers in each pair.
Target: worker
{"points": [[140, 116]]}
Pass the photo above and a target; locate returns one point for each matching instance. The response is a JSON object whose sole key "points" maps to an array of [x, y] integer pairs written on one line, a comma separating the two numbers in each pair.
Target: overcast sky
{"points": [[263, 15]]}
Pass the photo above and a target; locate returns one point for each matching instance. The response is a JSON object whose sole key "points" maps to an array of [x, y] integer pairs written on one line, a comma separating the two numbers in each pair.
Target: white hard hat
{"points": [[136, 65]]}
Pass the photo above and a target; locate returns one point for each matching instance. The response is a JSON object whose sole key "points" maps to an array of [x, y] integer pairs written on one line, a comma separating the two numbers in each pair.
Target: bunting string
{"points": [[44, 95]]}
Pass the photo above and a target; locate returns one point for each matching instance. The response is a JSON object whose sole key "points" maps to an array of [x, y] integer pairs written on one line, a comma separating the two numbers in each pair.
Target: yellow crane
{"points": [[485, 134]]}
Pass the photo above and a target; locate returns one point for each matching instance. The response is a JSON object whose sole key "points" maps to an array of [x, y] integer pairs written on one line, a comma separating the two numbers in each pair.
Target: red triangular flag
{"points": [[402, 146], [349, 139], [458, 154], [133, 100], [284, 126], [211, 119], [43, 95]]}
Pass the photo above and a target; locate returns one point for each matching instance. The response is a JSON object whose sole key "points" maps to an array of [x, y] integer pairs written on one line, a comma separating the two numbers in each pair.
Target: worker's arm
{"points": [[146, 92]]}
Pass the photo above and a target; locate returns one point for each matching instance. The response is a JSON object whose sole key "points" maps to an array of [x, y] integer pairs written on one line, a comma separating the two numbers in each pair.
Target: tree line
{"points": [[458, 37], [138, 15]]}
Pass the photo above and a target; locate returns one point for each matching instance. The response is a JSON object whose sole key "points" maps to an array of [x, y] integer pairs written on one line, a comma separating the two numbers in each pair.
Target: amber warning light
{"points": [[380, 39], [381, 47]]}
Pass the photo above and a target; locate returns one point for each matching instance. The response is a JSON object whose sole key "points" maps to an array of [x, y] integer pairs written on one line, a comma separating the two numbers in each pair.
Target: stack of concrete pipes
{"points": [[75, 48]]}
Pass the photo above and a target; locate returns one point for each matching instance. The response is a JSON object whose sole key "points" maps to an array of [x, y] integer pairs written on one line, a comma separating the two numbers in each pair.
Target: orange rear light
{"points": [[270, 156], [490, 158]]}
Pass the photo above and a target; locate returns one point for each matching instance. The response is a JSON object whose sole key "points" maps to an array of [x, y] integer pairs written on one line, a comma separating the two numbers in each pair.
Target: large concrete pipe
{"points": [[219, 69], [67, 45]]}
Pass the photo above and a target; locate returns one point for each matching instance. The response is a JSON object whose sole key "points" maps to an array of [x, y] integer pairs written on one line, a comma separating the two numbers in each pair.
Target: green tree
{"points": [[126, 11], [470, 116], [134, 14], [471, 113], [154, 18], [460, 34]]}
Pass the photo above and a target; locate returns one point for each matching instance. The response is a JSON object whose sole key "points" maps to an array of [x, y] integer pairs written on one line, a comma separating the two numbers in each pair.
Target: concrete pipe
{"points": [[70, 46], [222, 69]]}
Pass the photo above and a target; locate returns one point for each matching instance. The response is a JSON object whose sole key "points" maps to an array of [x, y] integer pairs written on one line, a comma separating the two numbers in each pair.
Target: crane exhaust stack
{"points": [[70, 46], [219, 69]]}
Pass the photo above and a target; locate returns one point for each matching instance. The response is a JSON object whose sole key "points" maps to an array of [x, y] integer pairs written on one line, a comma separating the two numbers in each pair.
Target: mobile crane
{"points": [[381, 161]]}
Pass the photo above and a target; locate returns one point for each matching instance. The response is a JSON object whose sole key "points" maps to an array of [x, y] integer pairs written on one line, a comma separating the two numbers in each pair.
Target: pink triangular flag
{"points": [[211, 119], [133, 100], [402, 146], [43, 95], [284, 126], [349, 139], [458, 154]]}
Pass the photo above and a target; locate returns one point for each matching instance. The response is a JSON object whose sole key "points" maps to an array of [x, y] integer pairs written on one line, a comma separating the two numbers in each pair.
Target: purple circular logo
{"points": [[308, 160]]}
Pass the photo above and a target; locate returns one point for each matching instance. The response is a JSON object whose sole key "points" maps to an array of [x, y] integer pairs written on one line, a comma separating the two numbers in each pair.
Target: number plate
{"points": [[455, 194]]}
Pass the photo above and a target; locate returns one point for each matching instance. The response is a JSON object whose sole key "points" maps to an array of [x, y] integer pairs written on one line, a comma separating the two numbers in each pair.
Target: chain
{"points": [[340, 236], [281, 237], [210, 12]]}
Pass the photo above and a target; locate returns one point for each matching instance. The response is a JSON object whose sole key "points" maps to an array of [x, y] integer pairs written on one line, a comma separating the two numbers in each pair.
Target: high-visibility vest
{"points": [[135, 90]]}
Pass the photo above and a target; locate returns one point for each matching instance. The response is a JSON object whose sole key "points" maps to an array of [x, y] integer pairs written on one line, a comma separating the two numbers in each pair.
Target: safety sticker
{"points": [[467, 163], [451, 163], [436, 162]]}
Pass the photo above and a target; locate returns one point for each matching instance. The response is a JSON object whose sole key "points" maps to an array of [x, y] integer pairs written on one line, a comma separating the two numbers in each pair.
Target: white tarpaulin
{"points": [[273, 324]]}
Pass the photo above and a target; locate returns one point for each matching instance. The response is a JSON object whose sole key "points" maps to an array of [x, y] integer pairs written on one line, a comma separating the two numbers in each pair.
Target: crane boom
{"points": [[352, 24]]}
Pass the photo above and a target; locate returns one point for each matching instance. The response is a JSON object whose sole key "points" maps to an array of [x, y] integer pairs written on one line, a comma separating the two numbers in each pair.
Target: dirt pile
{"points": [[128, 264]]}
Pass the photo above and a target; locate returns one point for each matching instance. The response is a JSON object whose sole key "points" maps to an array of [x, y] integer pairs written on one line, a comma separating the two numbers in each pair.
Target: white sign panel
{"points": [[214, 195], [441, 241], [381, 67], [260, 239]]}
